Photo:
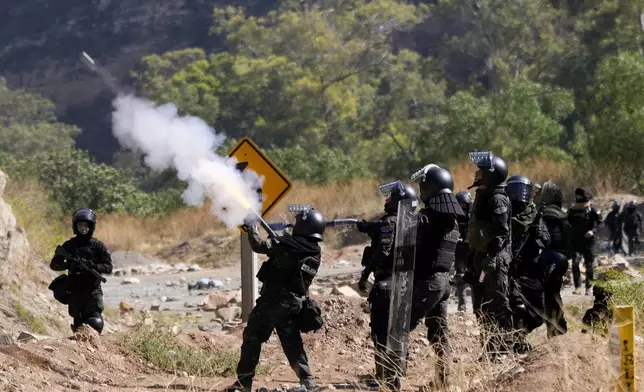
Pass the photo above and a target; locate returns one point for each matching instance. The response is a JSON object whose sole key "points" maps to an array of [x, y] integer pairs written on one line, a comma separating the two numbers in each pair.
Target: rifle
{"points": [[342, 222], [60, 251], [333, 223], [526, 235]]}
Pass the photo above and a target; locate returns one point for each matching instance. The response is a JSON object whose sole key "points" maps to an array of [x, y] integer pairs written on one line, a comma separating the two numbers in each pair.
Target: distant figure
{"points": [[614, 227], [584, 221], [632, 224]]}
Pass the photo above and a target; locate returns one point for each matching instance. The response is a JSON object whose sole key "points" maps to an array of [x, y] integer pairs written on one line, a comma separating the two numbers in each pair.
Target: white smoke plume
{"points": [[188, 145]]}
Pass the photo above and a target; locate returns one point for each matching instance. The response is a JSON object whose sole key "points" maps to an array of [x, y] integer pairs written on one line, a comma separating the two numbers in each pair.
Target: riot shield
{"points": [[624, 243], [402, 284]]}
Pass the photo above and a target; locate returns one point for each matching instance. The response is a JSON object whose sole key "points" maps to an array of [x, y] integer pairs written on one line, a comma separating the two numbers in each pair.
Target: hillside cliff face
{"points": [[41, 40], [24, 298]]}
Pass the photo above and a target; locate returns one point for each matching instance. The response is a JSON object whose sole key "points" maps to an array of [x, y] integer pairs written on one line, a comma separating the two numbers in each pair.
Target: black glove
{"points": [[362, 226], [534, 230], [89, 263]]}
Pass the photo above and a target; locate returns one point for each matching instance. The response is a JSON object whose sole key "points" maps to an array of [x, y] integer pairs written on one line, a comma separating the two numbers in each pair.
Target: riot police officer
{"points": [[437, 239], [555, 257], [286, 276], [584, 221], [527, 274], [614, 228], [490, 238], [381, 263], [85, 293], [462, 248], [372, 229], [632, 225]]}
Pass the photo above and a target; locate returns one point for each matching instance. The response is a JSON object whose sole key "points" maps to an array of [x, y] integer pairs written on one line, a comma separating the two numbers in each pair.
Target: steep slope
{"points": [[24, 300]]}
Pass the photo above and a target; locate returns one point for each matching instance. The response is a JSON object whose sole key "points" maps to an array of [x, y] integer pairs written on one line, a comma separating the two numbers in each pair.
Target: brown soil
{"points": [[341, 356]]}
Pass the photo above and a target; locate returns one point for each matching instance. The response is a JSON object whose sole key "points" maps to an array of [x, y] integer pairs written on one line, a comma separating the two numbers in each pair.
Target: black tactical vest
{"points": [[287, 271], [581, 222], [557, 223], [437, 239]]}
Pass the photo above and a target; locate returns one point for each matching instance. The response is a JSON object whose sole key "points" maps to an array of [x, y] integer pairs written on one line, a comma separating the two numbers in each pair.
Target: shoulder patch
{"points": [[308, 270], [501, 210]]}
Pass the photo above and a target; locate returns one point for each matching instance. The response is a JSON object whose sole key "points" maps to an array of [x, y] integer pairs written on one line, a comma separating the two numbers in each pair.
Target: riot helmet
{"points": [[465, 200], [615, 206], [519, 188], [84, 215], [583, 195], [551, 193], [492, 170], [397, 191], [308, 223], [434, 180], [632, 204]]}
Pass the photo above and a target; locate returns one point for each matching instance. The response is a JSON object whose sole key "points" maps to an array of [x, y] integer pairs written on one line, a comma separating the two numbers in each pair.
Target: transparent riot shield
{"points": [[625, 247], [402, 284]]}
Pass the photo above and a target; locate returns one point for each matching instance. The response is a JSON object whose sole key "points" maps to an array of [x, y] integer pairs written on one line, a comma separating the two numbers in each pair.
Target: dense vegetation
{"points": [[344, 89]]}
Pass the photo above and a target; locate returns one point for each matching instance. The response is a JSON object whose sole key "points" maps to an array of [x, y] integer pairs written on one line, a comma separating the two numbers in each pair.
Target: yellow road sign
{"points": [[276, 183]]}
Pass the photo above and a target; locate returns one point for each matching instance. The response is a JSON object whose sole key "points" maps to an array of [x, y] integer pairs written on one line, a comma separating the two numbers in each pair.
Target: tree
{"points": [[522, 121], [75, 181], [616, 127], [28, 124], [508, 38]]}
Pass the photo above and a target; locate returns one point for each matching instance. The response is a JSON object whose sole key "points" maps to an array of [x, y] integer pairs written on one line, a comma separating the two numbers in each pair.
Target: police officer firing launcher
{"points": [[293, 262], [85, 257]]}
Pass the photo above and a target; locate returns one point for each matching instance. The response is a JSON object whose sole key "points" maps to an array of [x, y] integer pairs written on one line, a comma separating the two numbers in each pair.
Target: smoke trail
{"points": [[188, 145]]}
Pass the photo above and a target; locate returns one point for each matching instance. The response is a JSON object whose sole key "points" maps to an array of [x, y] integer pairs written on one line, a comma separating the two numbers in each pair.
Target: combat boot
{"points": [[308, 385], [238, 387]]}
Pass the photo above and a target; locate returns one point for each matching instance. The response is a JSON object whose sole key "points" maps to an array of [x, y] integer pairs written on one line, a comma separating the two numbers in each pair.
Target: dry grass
{"points": [[359, 198], [566, 174], [37, 215]]}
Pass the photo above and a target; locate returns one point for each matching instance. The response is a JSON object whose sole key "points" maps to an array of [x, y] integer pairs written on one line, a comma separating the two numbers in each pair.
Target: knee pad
{"points": [[95, 322]]}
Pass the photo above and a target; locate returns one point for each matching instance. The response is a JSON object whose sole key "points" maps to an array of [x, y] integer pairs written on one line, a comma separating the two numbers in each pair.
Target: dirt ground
{"points": [[341, 356], [340, 359]]}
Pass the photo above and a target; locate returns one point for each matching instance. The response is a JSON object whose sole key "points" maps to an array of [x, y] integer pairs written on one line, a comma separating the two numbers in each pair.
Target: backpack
{"points": [[60, 287]]}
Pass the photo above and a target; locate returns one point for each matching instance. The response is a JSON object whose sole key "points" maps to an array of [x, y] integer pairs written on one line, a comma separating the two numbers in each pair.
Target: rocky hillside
{"points": [[40, 43], [23, 281]]}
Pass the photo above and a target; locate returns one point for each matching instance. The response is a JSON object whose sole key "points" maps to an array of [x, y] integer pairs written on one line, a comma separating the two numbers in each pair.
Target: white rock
{"points": [[130, 280]]}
